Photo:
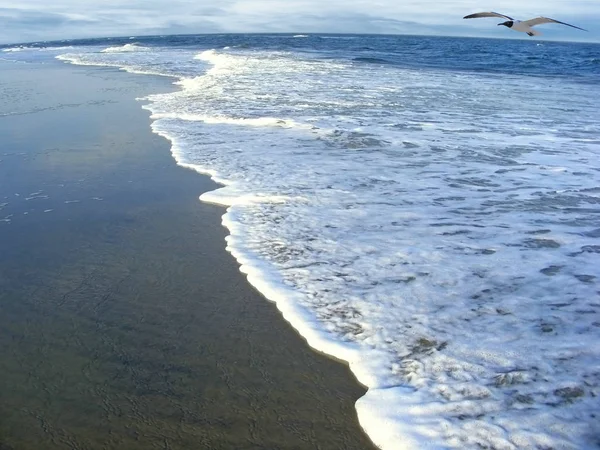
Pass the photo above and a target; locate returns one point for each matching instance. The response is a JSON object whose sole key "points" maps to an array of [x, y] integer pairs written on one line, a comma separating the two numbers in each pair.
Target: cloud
{"points": [[61, 19]]}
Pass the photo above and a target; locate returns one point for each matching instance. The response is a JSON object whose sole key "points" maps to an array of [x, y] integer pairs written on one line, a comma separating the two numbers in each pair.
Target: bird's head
{"points": [[508, 23]]}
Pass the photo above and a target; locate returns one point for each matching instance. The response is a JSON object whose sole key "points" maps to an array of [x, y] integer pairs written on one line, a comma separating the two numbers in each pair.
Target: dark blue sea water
{"points": [[527, 56], [425, 208]]}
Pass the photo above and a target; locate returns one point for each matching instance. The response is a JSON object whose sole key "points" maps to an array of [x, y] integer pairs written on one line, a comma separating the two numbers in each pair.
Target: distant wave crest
{"points": [[15, 49], [371, 60], [126, 48]]}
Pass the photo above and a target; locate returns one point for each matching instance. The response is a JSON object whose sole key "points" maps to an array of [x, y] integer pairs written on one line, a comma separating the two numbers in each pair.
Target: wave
{"points": [[243, 121], [416, 357], [126, 48], [17, 49], [22, 48], [80, 59], [366, 59]]}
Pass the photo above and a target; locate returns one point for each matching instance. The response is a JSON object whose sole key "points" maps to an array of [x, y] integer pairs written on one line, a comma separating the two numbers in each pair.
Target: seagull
{"points": [[524, 26]]}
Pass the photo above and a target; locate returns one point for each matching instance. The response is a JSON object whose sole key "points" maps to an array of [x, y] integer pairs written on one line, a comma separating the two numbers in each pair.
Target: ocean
{"points": [[426, 209]]}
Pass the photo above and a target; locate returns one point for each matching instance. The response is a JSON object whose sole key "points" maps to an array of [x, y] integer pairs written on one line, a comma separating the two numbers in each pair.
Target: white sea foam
{"points": [[127, 48], [142, 62], [16, 49], [35, 49], [256, 122], [445, 246]]}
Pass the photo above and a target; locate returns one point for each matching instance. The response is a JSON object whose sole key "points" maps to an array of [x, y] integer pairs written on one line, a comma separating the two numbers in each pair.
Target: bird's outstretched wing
{"points": [[487, 14], [540, 20]]}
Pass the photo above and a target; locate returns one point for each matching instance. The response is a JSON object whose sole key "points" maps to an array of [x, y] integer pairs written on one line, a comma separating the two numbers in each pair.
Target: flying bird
{"points": [[525, 26]]}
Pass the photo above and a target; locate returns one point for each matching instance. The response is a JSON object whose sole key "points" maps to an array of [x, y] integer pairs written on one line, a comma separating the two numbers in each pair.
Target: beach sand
{"points": [[124, 323]]}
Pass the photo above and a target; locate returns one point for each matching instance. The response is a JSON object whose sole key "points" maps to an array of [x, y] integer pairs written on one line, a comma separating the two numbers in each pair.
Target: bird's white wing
{"points": [[487, 14], [541, 20]]}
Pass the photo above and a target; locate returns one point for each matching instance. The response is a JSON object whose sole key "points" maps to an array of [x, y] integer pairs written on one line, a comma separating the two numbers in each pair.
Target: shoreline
{"points": [[101, 284]]}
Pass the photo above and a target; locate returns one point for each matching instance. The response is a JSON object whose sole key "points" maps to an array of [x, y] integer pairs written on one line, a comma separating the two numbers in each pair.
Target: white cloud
{"points": [[42, 20]]}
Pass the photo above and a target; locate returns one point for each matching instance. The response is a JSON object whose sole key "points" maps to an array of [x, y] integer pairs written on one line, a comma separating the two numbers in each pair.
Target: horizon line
{"points": [[141, 36]]}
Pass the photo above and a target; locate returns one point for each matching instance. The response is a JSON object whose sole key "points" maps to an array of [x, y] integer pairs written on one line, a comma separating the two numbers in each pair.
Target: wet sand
{"points": [[124, 323]]}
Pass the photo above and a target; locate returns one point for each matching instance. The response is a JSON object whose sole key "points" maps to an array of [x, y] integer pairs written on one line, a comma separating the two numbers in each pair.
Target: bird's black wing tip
{"points": [[579, 28], [567, 24]]}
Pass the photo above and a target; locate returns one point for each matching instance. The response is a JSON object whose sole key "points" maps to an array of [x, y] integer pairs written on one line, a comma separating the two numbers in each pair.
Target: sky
{"points": [[40, 20]]}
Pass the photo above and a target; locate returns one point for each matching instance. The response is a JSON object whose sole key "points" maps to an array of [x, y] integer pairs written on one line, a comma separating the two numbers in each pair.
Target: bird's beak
{"points": [[500, 24]]}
